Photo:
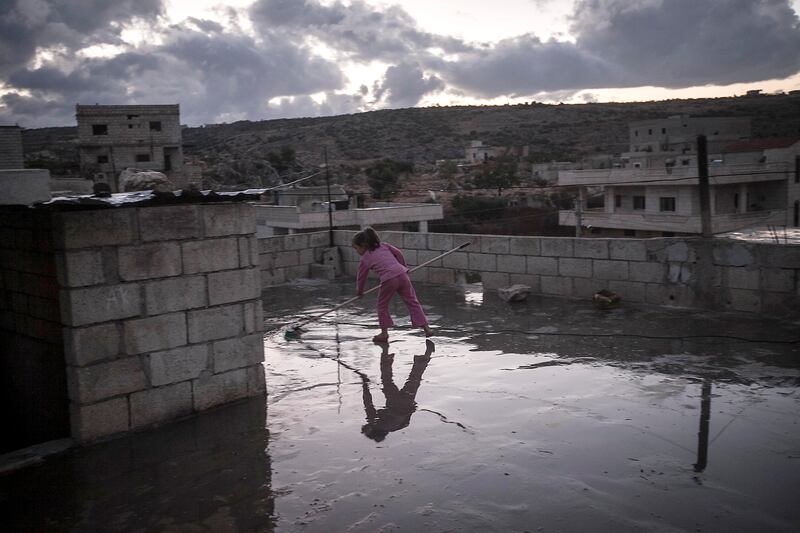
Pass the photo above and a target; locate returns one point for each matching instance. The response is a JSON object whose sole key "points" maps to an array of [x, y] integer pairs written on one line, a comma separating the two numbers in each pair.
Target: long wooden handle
{"points": [[376, 287]]}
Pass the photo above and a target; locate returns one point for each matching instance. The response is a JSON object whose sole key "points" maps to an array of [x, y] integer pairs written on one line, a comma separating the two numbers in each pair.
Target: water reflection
{"points": [[400, 404], [705, 420]]}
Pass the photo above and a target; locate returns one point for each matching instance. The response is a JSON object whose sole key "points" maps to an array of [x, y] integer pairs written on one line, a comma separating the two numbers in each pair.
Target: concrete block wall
{"points": [[161, 310], [33, 385], [287, 257], [717, 274], [11, 156]]}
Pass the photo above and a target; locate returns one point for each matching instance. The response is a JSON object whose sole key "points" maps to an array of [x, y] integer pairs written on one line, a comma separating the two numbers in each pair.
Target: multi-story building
{"points": [[112, 138], [11, 148], [752, 182]]}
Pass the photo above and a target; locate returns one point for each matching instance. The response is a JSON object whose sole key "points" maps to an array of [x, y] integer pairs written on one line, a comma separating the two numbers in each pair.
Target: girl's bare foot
{"points": [[382, 337]]}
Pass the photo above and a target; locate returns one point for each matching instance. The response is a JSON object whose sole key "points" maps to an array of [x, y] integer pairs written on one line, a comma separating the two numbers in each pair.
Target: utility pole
{"points": [[330, 205], [578, 212], [705, 193]]}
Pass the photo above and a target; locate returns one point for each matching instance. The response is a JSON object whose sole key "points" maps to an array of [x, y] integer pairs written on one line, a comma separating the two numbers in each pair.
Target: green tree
{"points": [[448, 169], [499, 174], [383, 177]]}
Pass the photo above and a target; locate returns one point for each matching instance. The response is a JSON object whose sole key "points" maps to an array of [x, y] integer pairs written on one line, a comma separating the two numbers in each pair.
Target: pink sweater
{"points": [[386, 260]]}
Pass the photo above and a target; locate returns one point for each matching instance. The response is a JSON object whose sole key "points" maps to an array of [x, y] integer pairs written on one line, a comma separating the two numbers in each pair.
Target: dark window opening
{"points": [[668, 234], [102, 159], [666, 203], [630, 233], [663, 131], [99, 129], [130, 126], [685, 162], [650, 131], [736, 200], [617, 200], [797, 213], [142, 158], [639, 202], [155, 125]]}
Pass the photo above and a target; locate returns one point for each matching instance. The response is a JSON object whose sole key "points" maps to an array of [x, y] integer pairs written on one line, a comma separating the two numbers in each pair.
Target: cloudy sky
{"points": [[255, 59]]}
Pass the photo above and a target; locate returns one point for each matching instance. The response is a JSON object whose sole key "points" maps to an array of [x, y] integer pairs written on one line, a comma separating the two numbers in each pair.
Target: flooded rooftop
{"points": [[545, 415]]}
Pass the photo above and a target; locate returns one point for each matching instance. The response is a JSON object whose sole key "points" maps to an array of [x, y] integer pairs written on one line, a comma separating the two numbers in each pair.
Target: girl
{"points": [[390, 265]]}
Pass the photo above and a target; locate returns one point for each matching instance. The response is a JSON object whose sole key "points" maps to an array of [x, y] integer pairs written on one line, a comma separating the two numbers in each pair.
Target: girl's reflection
{"points": [[400, 404]]}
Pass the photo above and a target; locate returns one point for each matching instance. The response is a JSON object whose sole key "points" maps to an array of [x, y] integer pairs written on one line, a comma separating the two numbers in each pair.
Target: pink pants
{"points": [[401, 285]]}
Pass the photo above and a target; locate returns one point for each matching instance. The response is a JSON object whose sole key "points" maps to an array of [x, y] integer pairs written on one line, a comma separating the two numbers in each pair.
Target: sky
{"points": [[259, 59]]}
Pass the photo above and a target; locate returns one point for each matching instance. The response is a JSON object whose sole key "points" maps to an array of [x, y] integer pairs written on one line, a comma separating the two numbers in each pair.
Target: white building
{"points": [[477, 152], [753, 183]]}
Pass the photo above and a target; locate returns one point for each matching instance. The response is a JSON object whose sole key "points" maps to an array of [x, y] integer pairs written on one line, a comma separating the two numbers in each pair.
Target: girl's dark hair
{"points": [[367, 238]]}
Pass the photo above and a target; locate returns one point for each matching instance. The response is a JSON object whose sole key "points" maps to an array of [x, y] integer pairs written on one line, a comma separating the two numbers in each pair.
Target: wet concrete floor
{"points": [[546, 415]]}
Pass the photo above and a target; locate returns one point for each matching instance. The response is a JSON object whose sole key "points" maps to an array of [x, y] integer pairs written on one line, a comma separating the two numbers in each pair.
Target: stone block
{"points": [[210, 255], [216, 389], [176, 294], [297, 272], [415, 241], [420, 275], [574, 268], [221, 220], [555, 285], [233, 286], [530, 280], [322, 272], [84, 346], [215, 323], [542, 266], [440, 241], [427, 255], [89, 229], [101, 419], [343, 237], [524, 246], [494, 280], [728, 253], [441, 276], [80, 268], [287, 259], [162, 404], [778, 279], [154, 333], [395, 238], [627, 250], [610, 270], [271, 278], [591, 248], [586, 287], [80, 307], [482, 262], [494, 245], [459, 260], [239, 352], [744, 300], [411, 257], [647, 272], [165, 223], [270, 244], [557, 247], [679, 272], [678, 251], [516, 264], [473, 240], [179, 364], [319, 239], [93, 383], [245, 257], [254, 317], [298, 241], [306, 257], [629, 291], [256, 380], [148, 261], [742, 278]]}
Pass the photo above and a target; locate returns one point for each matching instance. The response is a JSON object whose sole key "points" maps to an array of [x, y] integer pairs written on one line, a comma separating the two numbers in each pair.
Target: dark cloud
{"points": [[405, 84]]}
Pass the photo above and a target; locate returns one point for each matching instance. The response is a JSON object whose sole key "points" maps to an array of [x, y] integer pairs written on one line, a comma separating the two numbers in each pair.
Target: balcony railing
{"points": [[719, 174]]}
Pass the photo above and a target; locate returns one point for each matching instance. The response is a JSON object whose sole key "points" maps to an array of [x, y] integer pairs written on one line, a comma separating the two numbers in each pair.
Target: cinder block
{"points": [[322, 272], [93, 383], [556, 285], [494, 245], [306, 257], [427, 255], [221, 220], [176, 294], [574, 268], [524, 246], [80, 229], [296, 272], [162, 404], [256, 380], [611, 270], [516, 264], [629, 291], [319, 239], [343, 237], [148, 261], [254, 317], [591, 248], [298, 241], [530, 280], [744, 300], [270, 244], [254, 253], [440, 241], [542, 266], [678, 251], [395, 238], [97, 420], [420, 275], [441, 276], [244, 252], [627, 250], [217, 389], [743, 278], [180, 364], [233, 286], [80, 307], [727, 253], [556, 247], [411, 257], [647, 272], [351, 269], [494, 280], [80, 268], [679, 272], [84, 346], [459, 260], [154, 333], [271, 278], [238, 353], [482, 262], [210, 255], [415, 241], [287, 259], [171, 222], [215, 323]]}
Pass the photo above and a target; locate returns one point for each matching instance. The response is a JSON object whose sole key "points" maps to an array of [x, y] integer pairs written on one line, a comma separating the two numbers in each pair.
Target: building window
{"points": [[666, 203], [130, 126], [635, 133], [685, 162], [155, 125], [617, 200], [650, 131], [663, 131], [142, 158], [667, 233], [99, 129], [102, 159], [736, 200], [639, 203]]}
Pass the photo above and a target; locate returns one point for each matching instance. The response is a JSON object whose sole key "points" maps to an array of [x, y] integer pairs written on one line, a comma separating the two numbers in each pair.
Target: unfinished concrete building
{"points": [[11, 148], [115, 137]]}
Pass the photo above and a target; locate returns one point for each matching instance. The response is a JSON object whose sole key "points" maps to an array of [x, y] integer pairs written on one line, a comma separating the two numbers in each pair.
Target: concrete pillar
{"points": [[743, 198], [423, 226]]}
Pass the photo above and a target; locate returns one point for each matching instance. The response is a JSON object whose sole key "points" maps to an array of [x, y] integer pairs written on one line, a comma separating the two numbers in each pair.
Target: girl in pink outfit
{"points": [[390, 265]]}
